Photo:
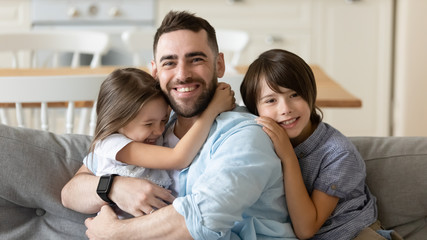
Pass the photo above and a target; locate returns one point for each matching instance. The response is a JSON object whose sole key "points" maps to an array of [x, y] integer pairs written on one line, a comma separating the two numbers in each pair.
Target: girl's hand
{"points": [[223, 100], [278, 135]]}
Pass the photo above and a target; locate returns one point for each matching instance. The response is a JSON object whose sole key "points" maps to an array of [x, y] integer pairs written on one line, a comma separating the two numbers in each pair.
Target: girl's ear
{"points": [[220, 65]]}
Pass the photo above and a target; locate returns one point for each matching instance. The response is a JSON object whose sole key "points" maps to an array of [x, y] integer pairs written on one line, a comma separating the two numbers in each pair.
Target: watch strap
{"points": [[104, 187]]}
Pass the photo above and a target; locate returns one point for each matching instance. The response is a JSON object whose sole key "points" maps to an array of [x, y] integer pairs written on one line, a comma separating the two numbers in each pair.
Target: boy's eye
{"points": [[294, 95], [270, 100]]}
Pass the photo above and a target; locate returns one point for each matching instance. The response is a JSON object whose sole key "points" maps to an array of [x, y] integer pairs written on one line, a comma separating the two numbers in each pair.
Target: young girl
{"points": [[324, 175], [132, 112]]}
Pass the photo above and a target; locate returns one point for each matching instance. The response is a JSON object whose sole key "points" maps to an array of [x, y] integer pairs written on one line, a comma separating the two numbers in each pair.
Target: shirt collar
{"points": [[312, 142]]}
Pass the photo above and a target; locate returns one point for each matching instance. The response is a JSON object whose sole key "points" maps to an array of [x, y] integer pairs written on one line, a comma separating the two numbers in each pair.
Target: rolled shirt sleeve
{"points": [[234, 188]]}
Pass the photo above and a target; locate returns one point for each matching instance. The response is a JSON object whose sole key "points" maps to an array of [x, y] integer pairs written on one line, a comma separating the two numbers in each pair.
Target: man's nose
{"points": [[183, 72]]}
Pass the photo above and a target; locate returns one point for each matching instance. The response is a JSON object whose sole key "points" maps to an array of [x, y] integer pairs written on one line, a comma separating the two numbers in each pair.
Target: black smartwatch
{"points": [[104, 187]]}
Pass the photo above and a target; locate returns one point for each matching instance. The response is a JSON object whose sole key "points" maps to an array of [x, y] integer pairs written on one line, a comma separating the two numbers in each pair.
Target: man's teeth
{"points": [[185, 89], [289, 121]]}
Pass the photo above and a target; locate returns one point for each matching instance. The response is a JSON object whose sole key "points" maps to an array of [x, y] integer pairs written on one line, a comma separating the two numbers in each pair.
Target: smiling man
{"points": [[234, 187]]}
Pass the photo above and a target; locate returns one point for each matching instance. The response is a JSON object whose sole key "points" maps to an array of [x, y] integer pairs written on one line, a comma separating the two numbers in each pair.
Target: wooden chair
{"points": [[232, 43], [139, 42], [26, 47], [44, 48], [46, 89]]}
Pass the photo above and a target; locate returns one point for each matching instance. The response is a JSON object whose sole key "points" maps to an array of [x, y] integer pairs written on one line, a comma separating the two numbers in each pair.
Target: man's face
{"points": [[187, 70]]}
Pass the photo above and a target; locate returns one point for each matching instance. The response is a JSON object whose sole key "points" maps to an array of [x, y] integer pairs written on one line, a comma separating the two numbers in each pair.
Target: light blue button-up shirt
{"points": [[234, 187]]}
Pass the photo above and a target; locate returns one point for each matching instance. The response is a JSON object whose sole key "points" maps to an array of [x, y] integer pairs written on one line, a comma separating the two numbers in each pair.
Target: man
{"points": [[232, 190]]}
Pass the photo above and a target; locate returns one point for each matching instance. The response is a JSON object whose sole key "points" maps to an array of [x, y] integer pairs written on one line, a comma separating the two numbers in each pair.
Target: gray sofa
{"points": [[35, 165]]}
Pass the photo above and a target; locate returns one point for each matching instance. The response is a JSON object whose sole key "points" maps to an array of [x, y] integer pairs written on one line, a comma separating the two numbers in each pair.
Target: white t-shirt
{"points": [[170, 140], [103, 161]]}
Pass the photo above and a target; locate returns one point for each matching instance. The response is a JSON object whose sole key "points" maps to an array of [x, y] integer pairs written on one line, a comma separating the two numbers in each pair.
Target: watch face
{"points": [[103, 184]]}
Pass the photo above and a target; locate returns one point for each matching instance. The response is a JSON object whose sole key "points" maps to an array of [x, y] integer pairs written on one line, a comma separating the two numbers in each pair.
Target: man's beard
{"points": [[195, 107]]}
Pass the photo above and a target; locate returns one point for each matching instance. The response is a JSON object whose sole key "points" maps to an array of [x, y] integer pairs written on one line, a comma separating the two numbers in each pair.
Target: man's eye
{"points": [[197, 59], [167, 64]]}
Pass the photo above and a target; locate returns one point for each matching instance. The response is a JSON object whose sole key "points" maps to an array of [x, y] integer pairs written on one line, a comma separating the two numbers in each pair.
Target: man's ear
{"points": [[220, 65], [153, 69]]}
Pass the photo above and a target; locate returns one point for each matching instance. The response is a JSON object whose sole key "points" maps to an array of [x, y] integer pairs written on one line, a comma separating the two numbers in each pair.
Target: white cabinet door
{"points": [[271, 24], [353, 44]]}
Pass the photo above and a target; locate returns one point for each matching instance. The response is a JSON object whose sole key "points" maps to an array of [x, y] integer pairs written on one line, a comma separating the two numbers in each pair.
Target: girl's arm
{"points": [[159, 157], [308, 213]]}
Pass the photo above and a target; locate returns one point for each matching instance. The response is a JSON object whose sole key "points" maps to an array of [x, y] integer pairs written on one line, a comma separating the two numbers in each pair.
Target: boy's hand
{"points": [[278, 135]]}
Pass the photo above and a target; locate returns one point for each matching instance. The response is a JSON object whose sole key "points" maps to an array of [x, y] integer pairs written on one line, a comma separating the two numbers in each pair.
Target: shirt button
{"points": [[334, 187], [40, 212]]}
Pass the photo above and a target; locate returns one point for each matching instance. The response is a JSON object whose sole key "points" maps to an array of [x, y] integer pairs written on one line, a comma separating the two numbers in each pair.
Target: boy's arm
{"points": [[159, 157], [308, 213]]}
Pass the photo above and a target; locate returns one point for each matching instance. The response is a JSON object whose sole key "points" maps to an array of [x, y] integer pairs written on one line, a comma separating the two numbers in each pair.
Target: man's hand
{"points": [[139, 197], [132, 195], [166, 224], [105, 225]]}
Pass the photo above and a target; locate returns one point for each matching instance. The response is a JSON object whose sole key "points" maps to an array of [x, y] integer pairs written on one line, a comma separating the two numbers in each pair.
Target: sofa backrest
{"points": [[397, 175], [34, 166]]}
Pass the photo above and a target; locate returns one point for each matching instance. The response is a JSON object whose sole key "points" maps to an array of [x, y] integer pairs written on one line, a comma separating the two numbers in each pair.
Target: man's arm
{"points": [[79, 193], [165, 223], [133, 195]]}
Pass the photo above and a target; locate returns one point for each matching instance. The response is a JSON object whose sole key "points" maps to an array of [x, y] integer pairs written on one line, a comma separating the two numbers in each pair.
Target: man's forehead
{"points": [[182, 43]]}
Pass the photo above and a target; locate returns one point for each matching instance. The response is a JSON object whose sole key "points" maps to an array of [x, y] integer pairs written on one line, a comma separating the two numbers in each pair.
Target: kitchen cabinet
{"points": [[350, 40], [354, 46], [14, 16], [271, 23]]}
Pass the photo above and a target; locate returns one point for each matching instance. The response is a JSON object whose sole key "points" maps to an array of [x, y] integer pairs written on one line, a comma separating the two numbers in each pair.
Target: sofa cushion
{"points": [[34, 166], [397, 175]]}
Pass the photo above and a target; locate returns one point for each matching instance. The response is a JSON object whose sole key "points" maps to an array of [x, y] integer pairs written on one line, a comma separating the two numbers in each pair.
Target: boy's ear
{"points": [[220, 65]]}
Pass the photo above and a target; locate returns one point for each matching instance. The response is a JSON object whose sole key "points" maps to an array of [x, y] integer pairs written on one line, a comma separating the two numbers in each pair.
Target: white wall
{"points": [[410, 91]]}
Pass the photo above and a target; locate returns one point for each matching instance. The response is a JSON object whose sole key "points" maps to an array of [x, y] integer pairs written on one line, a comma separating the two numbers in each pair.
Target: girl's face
{"points": [[288, 109], [150, 122]]}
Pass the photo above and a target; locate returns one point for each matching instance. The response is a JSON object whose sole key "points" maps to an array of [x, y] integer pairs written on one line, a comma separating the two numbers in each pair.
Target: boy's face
{"points": [[288, 109], [187, 70]]}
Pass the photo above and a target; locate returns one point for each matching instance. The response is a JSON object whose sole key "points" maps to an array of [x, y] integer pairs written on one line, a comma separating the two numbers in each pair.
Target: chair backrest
{"points": [[51, 89], [53, 43], [140, 43], [232, 43]]}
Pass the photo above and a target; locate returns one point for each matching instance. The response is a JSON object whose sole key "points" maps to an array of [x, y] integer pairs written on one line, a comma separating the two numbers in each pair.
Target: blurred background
{"points": [[376, 49]]}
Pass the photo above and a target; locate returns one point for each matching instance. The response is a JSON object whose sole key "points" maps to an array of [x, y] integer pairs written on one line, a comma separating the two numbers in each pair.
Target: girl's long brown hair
{"points": [[122, 94]]}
